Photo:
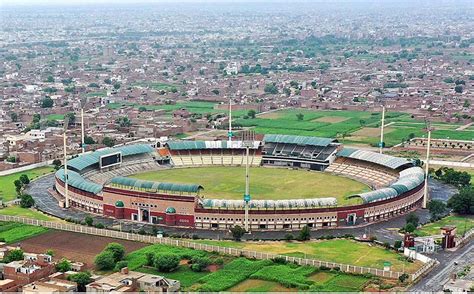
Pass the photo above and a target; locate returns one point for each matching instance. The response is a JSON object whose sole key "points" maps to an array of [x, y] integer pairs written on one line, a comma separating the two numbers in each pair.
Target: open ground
{"points": [[7, 188], [265, 183]]}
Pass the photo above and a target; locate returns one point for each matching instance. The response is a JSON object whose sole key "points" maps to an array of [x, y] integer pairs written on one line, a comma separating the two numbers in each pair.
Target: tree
{"points": [[237, 232], [47, 102], [105, 260], [50, 79], [14, 116], [410, 228], [36, 118], [13, 255], [89, 220], [166, 262], [26, 201], [437, 208], [109, 142], [50, 252], [117, 250], [18, 186], [305, 234], [63, 265], [397, 244], [71, 116], [88, 140], [200, 263], [117, 86], [403, 277], [57, 164], [458, 89], [252, 113], [412, 218], [215, 91], [142, 109], [463, 201], [108, 81], [123, 121], [82, 279], [24, 179], [300, 116], [271, 89]]}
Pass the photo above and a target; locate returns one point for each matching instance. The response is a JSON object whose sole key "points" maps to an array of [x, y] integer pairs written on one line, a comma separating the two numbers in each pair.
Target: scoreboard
{"points": [[110, 160]]}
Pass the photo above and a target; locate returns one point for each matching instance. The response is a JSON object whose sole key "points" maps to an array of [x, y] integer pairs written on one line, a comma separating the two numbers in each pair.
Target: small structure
{"points": [[449, 233], [386, 266]]}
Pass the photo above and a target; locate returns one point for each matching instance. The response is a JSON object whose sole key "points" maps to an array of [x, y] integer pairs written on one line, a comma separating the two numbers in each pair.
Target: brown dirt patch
{"points": [[370, 132], [74, 246], [213, 268], [331, 119]]}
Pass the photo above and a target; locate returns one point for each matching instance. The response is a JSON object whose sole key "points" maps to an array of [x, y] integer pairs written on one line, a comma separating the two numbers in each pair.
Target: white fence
{"points": [[209, 248]]}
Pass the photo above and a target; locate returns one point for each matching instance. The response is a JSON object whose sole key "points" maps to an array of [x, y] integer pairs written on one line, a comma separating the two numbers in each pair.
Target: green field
{"points": [[7, 188], [357, 127], [462, 223], [157, 86], [14, 232], [55, 117], [242, 275], [337, 250], [265, 183], [25, 212]]}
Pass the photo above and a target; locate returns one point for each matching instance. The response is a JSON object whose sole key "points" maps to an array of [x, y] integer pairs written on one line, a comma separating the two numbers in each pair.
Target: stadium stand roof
{"points": [[377, 158], [294, 203], [77, 181], [299, 140], [409, 179], [155, 186], [83, 161], [195, 145]]}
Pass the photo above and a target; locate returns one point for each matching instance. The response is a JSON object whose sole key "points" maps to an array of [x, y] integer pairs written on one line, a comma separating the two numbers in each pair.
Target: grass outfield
{"points": [[337, 250], [462, 223], [15, 232], [7, 188], [265, 183]]}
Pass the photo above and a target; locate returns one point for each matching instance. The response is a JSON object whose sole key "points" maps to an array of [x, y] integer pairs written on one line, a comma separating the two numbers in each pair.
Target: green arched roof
{"points": [[155, 186], [170, 210], [119, 203], [77, 181]]}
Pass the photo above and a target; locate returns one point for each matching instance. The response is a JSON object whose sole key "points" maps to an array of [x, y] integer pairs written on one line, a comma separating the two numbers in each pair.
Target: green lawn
{"points": [[265, 183], [25, 212], [462, 223], [334, 124], [55, 117], [15, 232], [337, 250], [242, 274], [7, 188]]}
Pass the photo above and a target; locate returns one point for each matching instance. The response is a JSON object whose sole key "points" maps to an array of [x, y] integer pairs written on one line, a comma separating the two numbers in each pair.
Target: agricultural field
{"points": [[355, 127], [65, 244], [244, 275], [15, 232], [55, 117], [462, 223], [265, 183], [25, 212], [336, 250], [7, 188]]}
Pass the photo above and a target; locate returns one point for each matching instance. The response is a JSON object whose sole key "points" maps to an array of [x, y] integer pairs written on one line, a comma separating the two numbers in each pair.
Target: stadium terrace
{"points": [[100, 183]]}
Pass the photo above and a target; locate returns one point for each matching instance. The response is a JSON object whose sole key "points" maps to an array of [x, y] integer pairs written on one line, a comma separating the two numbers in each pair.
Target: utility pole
{"points": [[66, 188], [248, 138], [427, 164], [381, 144], [83, 103]]}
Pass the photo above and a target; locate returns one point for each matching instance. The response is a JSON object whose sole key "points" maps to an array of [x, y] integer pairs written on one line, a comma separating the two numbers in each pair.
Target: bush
{"points": [[324, 268], [166, 262], [150, 258], [397, 244], [279, 260], [219, 261], [26, 201], [200, 263], [120, 265], [63, 265], [99, 226], [305, 234], [88, 220], [13, 255], [117, 250], [237, 232], [105, 260], [289, 237]]}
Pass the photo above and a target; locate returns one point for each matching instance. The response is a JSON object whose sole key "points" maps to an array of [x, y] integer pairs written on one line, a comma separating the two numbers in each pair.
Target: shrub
{"points": [[117, 250], [63, 265], [105, 260], [279, 260], [289, 237], [13, 255], [305, 234], [200, 263], [88, 220], [99, 226], [150, 258], [324, 268], [166, 262], [237, 232], [26, 201], [120, 265], [397, 244], [219, 261]]}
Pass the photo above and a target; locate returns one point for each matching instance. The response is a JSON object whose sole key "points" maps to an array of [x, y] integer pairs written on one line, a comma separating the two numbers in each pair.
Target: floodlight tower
{"points": [[427, 164], [66, 188], [83, 103], [248, 138], [229, 133], [381, 144]]}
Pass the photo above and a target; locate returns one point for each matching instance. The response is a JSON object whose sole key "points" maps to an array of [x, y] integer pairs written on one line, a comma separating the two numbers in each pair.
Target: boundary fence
{"points": [[210, 248]]}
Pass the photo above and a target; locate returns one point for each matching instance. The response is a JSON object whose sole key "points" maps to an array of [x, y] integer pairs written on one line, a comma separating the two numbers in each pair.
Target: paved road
{"points": [[450, 262], [385, 231]]}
